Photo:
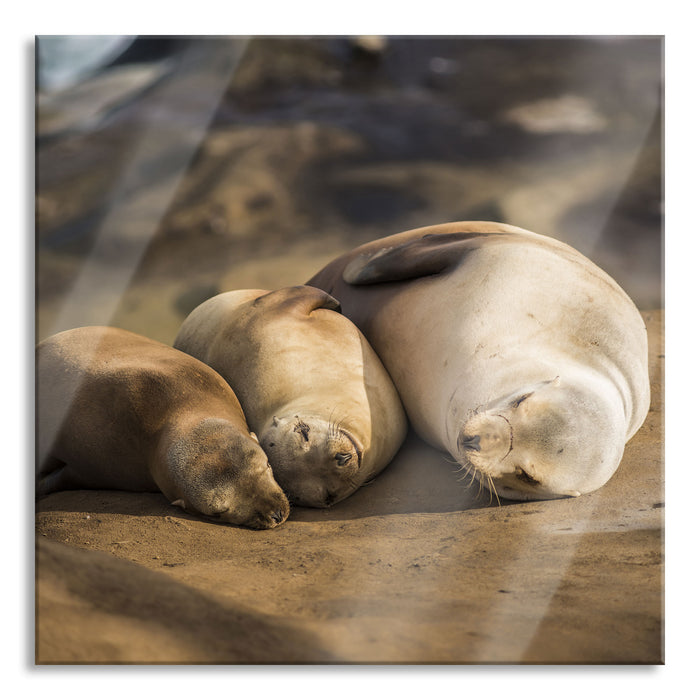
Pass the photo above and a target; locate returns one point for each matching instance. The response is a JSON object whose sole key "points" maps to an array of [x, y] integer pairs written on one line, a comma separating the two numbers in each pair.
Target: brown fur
{"points": [[116, 410]]}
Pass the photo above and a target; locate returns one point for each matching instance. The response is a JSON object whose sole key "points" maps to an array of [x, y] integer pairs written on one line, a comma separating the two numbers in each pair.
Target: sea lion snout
{"points": [[256, 510], [269, 519], [315, 461], [271, 504], [471, 442], [488, 435], [270, 511]]}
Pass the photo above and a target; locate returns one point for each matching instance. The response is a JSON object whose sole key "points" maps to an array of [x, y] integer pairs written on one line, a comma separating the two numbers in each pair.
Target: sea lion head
{"points": [[548, 440], [221, 472], [317, 462]]}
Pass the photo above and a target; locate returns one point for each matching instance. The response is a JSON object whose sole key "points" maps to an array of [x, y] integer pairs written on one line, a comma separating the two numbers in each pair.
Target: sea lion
{"points": [[116, 410], [310, 385], [510, 350]]}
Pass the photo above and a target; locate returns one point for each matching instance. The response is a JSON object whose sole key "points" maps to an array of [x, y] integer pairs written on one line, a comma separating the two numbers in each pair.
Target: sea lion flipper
{"points": [[431, 254], [301, 299]]}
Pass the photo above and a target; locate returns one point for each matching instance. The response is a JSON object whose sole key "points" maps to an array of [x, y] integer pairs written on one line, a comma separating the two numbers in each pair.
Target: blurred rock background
{"points": [[169, 169]]}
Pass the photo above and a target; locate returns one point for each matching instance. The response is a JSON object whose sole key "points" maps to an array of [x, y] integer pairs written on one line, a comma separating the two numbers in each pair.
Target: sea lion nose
{"points": [[277, 517], [330, 499], [471, 442]]}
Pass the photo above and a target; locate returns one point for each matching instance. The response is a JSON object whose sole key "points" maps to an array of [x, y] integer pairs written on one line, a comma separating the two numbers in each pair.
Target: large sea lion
{"points": [[116, 410], [310, 385], [510, 350]]}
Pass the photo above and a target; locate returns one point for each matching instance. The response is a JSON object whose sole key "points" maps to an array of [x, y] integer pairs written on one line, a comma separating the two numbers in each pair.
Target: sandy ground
{"points": [[416, 567]]}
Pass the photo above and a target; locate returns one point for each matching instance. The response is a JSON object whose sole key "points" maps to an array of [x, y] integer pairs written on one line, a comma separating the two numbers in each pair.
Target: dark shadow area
{"points": [[419, 479], [99, 501], [170, 622], [103, 502]]}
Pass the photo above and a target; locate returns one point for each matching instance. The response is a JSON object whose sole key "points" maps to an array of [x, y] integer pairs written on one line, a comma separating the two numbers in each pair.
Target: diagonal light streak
{"points": [[207, 67]]}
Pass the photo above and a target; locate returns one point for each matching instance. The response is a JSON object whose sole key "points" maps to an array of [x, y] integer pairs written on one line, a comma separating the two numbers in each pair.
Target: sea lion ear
{"points": [[254, 436], [431, 254], [302, 299]]}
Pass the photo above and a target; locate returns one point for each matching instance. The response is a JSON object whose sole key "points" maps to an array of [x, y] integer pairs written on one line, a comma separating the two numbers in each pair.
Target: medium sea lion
{"points": [[510, 350], [310, 385], [120, 411]]}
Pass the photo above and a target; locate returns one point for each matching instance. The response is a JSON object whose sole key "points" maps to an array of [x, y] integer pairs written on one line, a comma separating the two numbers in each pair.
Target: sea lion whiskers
{"points": [[482, 477], [469, 468], [464, 476], [492, 489], [334, 429], [457, 463], [475, 475]]}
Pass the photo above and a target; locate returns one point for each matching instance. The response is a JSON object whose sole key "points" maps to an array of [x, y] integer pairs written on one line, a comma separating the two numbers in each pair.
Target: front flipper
{"points": [[301, 299], [431, 254]]}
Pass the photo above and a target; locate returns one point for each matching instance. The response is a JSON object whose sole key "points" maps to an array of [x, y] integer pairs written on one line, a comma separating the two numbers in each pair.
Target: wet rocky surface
{"points": [[239, 163]]}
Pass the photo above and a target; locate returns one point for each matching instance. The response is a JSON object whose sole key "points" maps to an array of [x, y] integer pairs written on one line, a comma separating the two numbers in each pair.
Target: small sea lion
{"points": [[116, 410], [310, 385], [510, 350]]}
